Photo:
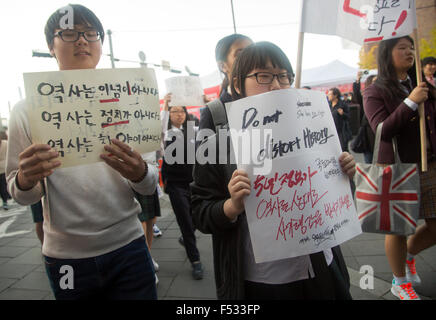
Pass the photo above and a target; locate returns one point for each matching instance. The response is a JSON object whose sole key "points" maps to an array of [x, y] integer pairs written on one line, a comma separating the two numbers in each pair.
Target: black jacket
{"points": [[209, 192], [178, 172]]}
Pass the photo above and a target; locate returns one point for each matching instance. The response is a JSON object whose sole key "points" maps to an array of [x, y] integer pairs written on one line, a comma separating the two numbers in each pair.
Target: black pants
{"points": [[180, 197], [3, 188], [329, 285]]}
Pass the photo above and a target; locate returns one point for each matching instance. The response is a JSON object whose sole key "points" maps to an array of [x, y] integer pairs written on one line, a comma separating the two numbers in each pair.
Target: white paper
{"points": [[301, 201], [359, 20], [77, 112], [185, 91]]}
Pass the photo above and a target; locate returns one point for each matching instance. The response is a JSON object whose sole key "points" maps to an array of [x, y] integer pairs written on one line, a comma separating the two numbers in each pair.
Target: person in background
{"points": [[341, 115], [429, 69], [218, 193], [38, 219], [226, 52], [3, 185], [393, 99], [177, 175], [150, 210], [90, 211]]}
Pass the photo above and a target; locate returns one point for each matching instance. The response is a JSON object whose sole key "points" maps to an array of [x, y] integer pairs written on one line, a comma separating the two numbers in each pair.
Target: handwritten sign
{"points": [[185, 91], [77, 112], [360, 20], [304, 203]]}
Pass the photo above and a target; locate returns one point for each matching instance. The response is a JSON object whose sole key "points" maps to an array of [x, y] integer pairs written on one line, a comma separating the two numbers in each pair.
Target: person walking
{"points": [[341, 115], [3, 185], [177, 175], [393, 99]]}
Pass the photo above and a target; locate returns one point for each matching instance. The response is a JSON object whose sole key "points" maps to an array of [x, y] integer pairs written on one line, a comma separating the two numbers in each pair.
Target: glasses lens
{"points": [[69, 35], [264, 78], [92, 35], [284, 78]]}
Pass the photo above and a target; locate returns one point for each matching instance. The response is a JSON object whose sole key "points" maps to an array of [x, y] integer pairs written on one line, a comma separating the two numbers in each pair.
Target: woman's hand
{"points": [[125, 160], [420, 93], [167, 100], [347, 163], [340, 111], [34, 164], [239, 187]]}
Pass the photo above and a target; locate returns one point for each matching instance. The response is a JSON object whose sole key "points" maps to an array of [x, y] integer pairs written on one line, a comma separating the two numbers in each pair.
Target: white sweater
{"points": [[89, 210]]}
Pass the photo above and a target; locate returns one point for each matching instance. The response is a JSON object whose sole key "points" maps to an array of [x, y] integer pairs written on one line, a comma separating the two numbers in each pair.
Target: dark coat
{"points": [[209, 192], [342, 123], [398, 121]]}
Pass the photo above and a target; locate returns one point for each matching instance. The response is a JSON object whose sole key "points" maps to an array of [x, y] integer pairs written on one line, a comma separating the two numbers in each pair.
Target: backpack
{"points": [[219, 118]]}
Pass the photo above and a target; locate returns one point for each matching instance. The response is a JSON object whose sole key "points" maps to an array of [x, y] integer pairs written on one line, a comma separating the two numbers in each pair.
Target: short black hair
{"points": [[81, 15], [256, 56], [428, 60], [336, 92]]}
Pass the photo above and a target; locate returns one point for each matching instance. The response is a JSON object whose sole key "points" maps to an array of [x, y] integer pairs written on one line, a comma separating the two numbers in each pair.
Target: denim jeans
{"points": [[123, 274]]}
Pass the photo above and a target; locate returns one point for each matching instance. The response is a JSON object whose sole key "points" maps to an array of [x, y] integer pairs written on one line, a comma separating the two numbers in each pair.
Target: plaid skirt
{"points": [[150, 206], [428, 192]]}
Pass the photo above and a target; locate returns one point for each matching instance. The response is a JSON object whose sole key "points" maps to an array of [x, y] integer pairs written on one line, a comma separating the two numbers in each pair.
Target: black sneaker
{"points": [[197, 270], [182, 243]]}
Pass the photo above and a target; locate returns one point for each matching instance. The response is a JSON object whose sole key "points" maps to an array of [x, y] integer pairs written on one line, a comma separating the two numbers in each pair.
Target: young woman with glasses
{"points": [[218, 192], [177, 175]]}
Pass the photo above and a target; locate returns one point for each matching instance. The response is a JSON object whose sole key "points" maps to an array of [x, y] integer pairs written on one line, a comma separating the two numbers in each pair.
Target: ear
{"points": [[224, 68], [221, 66], [52, 53], [236, 88]]}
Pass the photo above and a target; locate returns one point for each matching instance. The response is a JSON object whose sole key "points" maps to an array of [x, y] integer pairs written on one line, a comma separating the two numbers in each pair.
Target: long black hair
{"points": [[221, 52], [257, 56], [387, 78]]}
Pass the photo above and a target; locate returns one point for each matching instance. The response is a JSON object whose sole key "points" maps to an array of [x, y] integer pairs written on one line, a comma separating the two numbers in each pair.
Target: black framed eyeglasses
{"points": [[284, 78], [74, 35]]}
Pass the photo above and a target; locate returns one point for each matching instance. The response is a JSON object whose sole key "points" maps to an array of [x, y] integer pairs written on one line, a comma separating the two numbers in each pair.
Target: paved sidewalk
{"points": [[23, 277]]}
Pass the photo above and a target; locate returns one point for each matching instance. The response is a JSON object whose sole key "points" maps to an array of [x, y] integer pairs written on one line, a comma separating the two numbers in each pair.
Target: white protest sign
{"points": [[359, 20], [185, 91], [304, 203], [77, 112]]}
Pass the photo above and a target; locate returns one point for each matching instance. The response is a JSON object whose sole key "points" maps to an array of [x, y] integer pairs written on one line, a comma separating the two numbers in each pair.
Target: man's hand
{"points": [[35, 163], [125, 160]]}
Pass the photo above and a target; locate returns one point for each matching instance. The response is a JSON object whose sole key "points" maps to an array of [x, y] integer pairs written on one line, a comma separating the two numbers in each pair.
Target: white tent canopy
{"points": [[331, 74]]}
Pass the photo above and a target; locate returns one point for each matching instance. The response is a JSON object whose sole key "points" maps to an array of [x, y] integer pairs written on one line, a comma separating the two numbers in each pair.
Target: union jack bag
{"points": [[387, 196]]}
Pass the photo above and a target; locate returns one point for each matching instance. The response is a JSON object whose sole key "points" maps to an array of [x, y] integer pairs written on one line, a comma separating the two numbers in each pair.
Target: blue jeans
{"points": [[123, 274]]}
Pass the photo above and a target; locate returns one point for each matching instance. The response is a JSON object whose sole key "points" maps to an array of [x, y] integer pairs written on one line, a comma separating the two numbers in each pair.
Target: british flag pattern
{"points": [[387, 198]]}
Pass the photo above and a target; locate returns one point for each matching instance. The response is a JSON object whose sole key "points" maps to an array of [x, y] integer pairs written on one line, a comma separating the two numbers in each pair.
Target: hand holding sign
{"points": [[36, 162], [239, 186], [347, 163], [303, 203], [125, 160], [420, 93]]}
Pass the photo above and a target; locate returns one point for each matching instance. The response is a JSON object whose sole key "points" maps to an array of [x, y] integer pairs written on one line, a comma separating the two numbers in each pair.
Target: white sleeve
{"points": [[19, 139], [412, 105], [148, 185]]}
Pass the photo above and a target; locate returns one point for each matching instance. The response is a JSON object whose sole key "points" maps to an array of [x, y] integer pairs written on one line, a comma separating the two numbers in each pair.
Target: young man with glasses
{"points": [[90, 213]]}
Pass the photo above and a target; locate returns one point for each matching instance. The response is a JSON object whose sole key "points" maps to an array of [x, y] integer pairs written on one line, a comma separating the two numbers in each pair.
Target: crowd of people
{"points": [[107, 238]]}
